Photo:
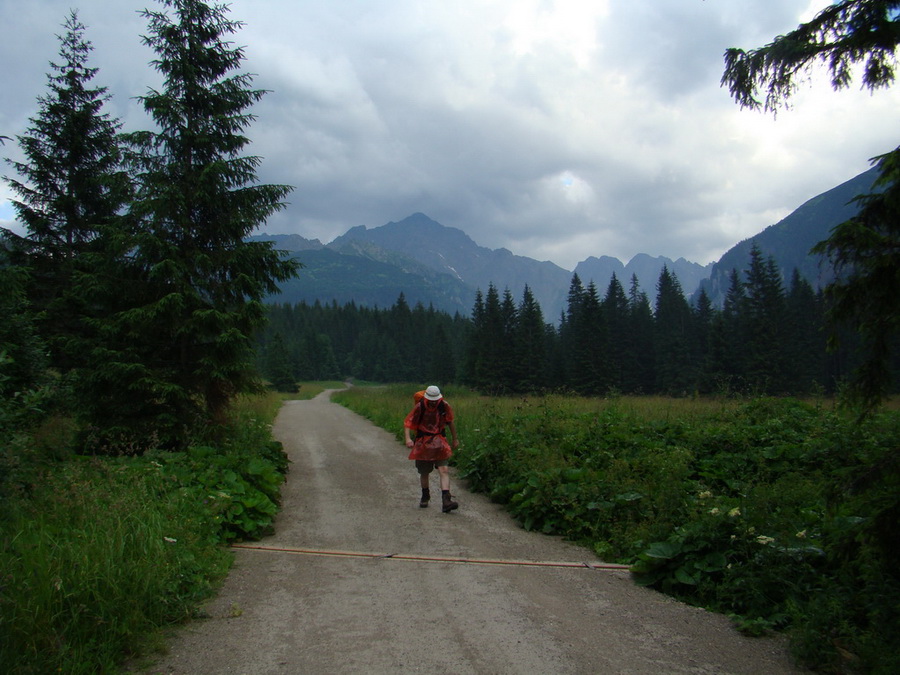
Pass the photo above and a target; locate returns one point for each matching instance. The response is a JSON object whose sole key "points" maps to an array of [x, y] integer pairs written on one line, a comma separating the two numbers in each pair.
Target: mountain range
{"points": [[443, 267]]}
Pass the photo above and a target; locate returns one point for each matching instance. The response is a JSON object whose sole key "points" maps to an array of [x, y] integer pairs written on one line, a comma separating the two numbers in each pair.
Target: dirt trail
{"points": [[351, 488]]}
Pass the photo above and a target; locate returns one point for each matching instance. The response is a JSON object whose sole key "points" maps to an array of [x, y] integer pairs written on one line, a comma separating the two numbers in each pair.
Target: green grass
{"points": [[103, 553], [98, 555], [310, 390]]}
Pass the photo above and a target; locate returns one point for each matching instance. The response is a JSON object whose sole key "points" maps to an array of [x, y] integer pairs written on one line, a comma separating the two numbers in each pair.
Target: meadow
{"points": [[777, 512]]}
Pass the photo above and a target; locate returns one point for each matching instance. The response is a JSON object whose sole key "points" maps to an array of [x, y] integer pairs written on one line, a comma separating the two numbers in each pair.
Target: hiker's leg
{"points": [[444, 475], [424, 468], [447, 502]]}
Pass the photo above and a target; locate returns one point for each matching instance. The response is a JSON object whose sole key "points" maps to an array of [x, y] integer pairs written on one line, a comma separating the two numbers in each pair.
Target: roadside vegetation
{"points": [[780, 513], [97, 554]]}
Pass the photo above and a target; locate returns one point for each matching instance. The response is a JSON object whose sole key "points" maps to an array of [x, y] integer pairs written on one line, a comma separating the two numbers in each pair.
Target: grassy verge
{"points": [[779, 513], [310, 390], [98, 554]]}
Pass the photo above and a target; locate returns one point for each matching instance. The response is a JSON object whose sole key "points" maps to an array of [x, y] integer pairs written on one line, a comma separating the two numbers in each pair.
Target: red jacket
{"points": [[429, 421]]}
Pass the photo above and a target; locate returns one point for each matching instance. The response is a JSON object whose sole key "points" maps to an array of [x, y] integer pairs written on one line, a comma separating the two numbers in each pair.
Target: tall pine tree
{"points": [[588, 344], [640, 350], [724, 368], [490, 352], [675, 371], [476, 367], [531, 349], [765, 323], [621, 367], [70, 194], [183, 345], [804, 343]]}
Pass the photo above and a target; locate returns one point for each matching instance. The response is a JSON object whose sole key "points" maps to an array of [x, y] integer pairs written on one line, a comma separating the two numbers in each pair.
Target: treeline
{"points": [[326, 342], [768, 338]]}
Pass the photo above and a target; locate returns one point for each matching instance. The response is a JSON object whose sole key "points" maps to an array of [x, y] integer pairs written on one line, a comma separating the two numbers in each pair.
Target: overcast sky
{"points": [[558, 129]]}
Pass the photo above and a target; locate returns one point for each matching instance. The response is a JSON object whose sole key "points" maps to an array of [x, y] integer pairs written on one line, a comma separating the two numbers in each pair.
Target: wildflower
{"points": [[714, 511], [170, 540], [801, 534], [764, 540], [734, 513], [706, 494]]}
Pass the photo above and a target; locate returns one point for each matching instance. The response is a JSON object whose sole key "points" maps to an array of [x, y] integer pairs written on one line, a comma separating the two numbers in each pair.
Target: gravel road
{"points": [[351, 489]]}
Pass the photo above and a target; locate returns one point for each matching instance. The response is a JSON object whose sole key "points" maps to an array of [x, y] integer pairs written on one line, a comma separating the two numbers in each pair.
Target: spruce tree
{"points": [[278, 368], [489, 358], [184, 341], [441, 364], [765, 321], [804, 342], [506, 365], [531, 349], [588, 340], [569, 320], [640, 350], [724, 368], [71, 190], [704, 315], [620, 361], [675, 371], [475, 371], [575, 298], [406, 336]]}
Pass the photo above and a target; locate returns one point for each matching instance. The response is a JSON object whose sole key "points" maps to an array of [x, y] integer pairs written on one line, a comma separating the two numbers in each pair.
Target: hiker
{"points": [[428, 419]]}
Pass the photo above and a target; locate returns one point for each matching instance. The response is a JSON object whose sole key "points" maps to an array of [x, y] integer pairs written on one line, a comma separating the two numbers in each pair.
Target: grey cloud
{"points": [[498, 121]]}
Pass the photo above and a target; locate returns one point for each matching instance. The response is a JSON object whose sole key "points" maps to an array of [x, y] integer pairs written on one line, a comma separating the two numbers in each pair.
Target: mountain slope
{"points": [[790, 240], [450, 251], [328, 275]]}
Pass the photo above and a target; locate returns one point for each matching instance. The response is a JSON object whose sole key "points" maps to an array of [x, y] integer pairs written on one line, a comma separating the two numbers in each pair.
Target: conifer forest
{"points": [[769, 338]]}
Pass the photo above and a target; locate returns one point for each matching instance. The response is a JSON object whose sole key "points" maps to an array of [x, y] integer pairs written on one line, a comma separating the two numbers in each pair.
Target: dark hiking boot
{"points": [[448, 504], [426, 497]]}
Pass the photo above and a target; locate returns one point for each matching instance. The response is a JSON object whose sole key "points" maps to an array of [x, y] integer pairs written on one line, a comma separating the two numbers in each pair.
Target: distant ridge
{"points": [[443, 267], [646, 268]]}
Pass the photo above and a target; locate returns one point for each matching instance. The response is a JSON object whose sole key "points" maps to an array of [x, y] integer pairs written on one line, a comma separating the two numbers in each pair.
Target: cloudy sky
{"points": [[558, 129]]}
